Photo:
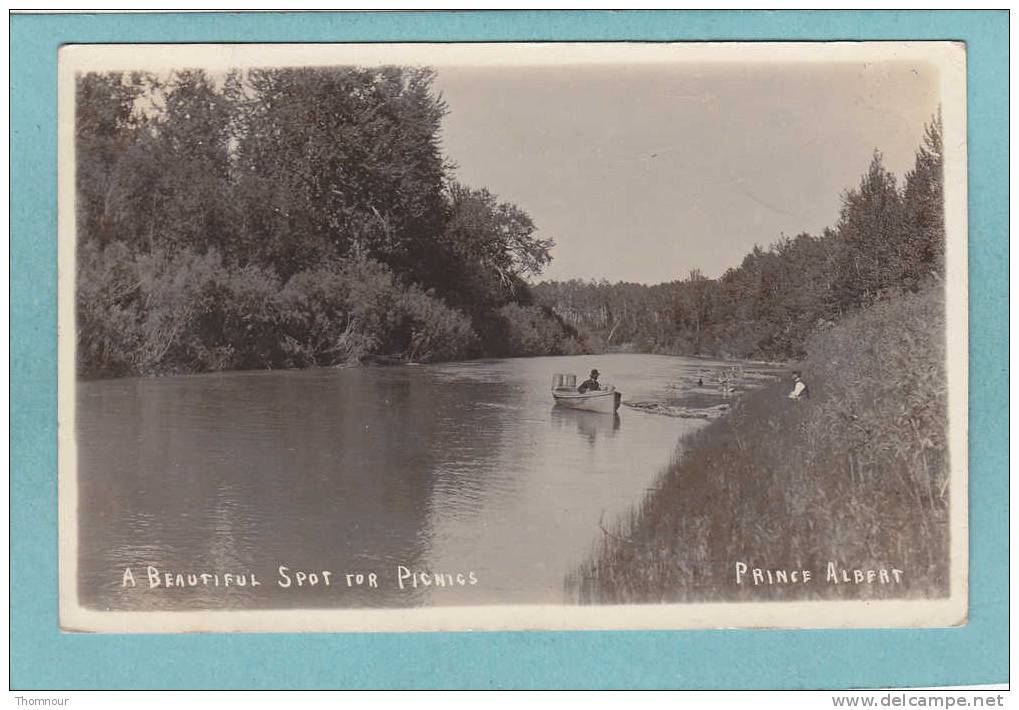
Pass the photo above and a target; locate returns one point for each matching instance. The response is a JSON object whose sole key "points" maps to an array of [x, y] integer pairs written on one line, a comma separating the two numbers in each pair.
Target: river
{"points": [[459, 469]]}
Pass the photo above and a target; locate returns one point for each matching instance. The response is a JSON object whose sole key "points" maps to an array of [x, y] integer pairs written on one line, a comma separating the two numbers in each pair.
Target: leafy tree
{"points": [[924, 199], [192, 202], [107, 124], [496, 238], [870, 227], [337, 162]]}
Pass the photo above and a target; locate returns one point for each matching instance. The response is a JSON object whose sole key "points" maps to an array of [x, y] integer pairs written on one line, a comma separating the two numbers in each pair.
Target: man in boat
{"points": [[800, 390], [590, 384]]}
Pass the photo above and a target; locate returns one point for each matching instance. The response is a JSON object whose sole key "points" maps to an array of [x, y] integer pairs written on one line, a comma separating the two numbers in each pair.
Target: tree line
{"points": [[889, 239], [277, 218], [290, 217]]}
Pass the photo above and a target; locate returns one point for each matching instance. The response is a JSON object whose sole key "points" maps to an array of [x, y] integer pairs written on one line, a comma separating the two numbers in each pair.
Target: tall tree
{"points": [[924, 202], [497, 238], [870, 228], [192, 202], [334, 162], [107, 125]]}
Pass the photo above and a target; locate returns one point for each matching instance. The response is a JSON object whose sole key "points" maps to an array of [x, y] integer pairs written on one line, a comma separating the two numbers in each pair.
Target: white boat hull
{"points": [[604, 401]]}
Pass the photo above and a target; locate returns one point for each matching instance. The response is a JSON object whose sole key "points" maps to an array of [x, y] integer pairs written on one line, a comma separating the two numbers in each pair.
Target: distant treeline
{"points": [[289, 217], [888, 240]]}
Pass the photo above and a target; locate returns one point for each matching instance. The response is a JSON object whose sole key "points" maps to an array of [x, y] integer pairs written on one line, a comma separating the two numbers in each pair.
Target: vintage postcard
{"points": [[416, 337]]}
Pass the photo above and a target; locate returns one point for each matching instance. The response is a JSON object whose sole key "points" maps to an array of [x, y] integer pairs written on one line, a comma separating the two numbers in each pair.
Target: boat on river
{"points": [[565, 393]]}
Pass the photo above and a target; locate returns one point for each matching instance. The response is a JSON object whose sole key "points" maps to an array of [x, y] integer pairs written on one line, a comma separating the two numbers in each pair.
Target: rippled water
{"points": [[463, 468]]}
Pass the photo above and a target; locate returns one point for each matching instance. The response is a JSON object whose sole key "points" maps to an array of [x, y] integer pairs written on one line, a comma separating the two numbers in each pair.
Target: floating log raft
{"points": [[681, 412]]}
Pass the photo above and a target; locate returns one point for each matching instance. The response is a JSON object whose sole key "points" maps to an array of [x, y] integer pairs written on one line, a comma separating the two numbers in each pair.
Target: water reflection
{"points": [[589, 425], [451, 468]]}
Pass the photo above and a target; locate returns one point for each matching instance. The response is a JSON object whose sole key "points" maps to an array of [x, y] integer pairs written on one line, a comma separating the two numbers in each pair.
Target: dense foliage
{"points": [[293, 217], [289, 217], [888, 240]]}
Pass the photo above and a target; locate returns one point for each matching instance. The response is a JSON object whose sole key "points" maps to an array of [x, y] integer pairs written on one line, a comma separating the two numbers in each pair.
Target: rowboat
{"points": [[605, 401], [565, 394]]}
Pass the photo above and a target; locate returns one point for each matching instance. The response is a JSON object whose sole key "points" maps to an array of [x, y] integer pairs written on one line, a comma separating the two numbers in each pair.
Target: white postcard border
{"points": [[949, 57]]}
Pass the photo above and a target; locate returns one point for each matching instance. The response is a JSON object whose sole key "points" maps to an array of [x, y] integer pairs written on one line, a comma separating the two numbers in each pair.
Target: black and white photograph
{"points": [[451, 337]]}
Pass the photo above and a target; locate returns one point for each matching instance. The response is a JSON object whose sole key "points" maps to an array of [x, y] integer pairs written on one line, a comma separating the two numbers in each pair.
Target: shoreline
{"points": [[382, 363]]}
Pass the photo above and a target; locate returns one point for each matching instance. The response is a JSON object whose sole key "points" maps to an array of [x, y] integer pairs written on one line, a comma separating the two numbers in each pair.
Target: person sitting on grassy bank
{"points": [[800, 389]]}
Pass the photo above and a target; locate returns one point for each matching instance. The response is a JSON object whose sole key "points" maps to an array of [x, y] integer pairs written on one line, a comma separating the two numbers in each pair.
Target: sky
{"points": [[644, 172]]}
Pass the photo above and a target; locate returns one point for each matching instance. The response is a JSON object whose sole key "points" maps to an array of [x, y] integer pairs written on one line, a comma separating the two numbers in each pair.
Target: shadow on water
{"points": [[589, 425]]}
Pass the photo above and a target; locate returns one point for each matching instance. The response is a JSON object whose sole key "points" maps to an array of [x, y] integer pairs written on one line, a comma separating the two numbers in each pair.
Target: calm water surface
{"points": [[459, 468]]}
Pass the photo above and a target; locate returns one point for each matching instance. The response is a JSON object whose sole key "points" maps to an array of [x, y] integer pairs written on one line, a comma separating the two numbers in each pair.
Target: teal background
{"points": [[44, 658]]}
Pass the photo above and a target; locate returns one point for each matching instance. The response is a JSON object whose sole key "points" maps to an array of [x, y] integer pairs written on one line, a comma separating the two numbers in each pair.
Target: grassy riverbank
{"points": [[856, 475]]}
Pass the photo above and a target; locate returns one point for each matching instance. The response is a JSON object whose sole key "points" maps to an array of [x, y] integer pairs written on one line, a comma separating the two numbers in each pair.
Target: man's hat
{"points": [[594, 373]]}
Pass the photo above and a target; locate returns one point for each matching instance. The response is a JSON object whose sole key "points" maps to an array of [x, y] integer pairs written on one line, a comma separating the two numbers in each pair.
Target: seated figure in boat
{"points": [[590, 384]]}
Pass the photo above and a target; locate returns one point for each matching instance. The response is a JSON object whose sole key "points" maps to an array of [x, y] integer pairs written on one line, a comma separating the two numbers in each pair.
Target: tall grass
{"points": [[856, 475]]}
